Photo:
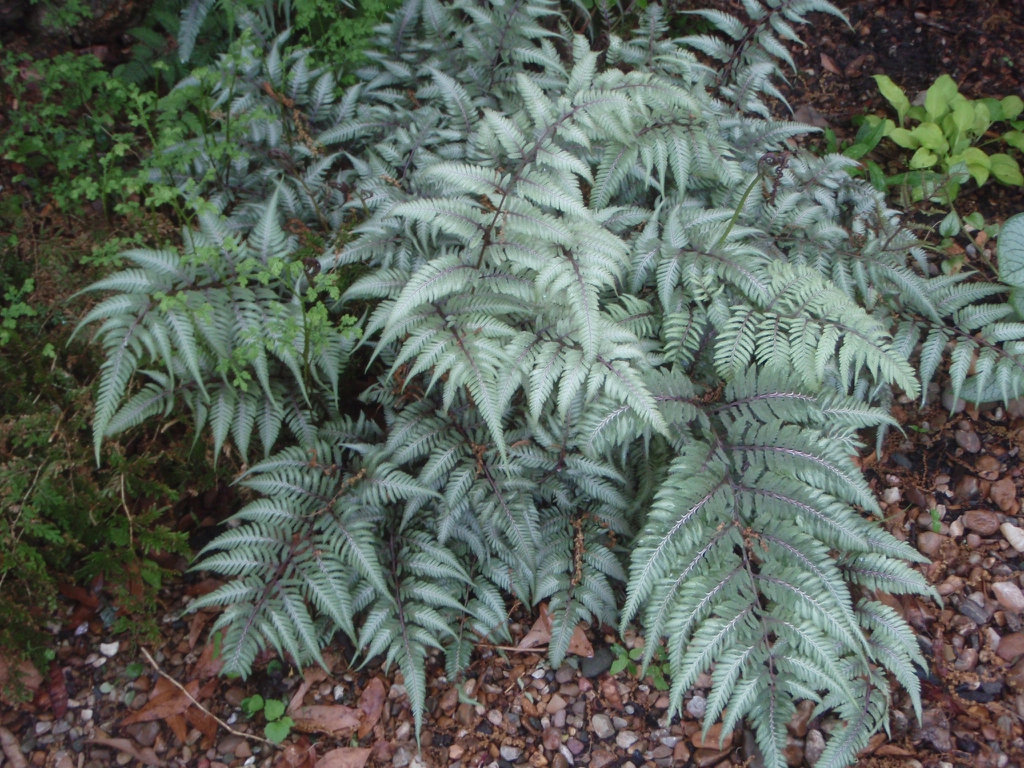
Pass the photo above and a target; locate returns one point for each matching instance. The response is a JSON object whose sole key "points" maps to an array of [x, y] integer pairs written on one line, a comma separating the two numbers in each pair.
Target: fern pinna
{"points": [[628, 337]]}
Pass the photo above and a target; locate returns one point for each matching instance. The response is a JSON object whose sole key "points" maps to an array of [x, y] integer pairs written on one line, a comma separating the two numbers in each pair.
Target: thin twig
{"points": [[515, 648], [191, 698]]}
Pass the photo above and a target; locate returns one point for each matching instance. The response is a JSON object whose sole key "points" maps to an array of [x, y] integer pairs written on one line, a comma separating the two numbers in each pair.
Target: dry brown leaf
{"points": [[207, 666], [145, 755], [310, 676], [164, 701], [332, 719], [298, 753], [579, 644], [58, 691], [195, 629], [177, 726], [540, 632], [830, 65], [169, 700], [346, 757], [371, 704], [205, 724], [893, 751], [204, 587]]}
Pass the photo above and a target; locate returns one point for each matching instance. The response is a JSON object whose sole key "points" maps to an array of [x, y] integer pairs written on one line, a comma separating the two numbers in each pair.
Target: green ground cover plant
{"points": [[952, 130], [63, 521]]}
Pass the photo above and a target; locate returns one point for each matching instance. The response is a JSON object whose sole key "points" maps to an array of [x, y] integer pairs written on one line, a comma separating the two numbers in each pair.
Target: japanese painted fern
{"points": [[626, 337]]}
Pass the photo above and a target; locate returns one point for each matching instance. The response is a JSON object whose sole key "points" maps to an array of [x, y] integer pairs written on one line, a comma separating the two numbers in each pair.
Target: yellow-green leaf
{"points": [[1006, 170], [936, 101], [1012, 106], [894, 95], [982, 118], [1014, 139], [904, 138], [923, 158], [930, 136], [975, 156], [978, 172]]}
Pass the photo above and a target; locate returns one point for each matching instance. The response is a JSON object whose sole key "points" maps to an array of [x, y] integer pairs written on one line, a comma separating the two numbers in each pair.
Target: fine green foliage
{"points": [[949, 129], [63, 522], [623, 339]]}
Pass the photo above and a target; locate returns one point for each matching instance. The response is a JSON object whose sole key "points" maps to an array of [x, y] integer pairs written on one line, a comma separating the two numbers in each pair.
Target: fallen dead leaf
{"points": [[331, 719], [145, 755], [58, 690], [893, 751], [204, 587], [310, 676], [178, 726], [830, 65], [207, 666], [540, 634], [371, 704], [195, 628], [346, 757], [579, 644], [169, 700], [299, 753]]}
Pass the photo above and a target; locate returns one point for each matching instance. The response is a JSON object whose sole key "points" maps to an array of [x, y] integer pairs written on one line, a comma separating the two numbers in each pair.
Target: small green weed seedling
{"points": [[656, 670], [278, 724], [952, 129]]}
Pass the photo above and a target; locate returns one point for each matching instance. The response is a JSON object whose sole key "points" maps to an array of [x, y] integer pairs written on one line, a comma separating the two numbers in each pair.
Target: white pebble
{"points": [[1014, 535], [109, 649]]}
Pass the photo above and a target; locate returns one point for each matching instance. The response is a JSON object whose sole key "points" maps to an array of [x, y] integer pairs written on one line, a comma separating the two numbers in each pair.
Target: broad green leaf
{"points": [[979, 173], [894, 95], [1006, 170], [963, 116], [950, 226], [972, 155], [923, 158], [975, 219], [1015, 139], [273, 709], [278, 730], [931, 136], [905, 138], [1010, 251], [982, 118], [938, 97], [1012, 106]]}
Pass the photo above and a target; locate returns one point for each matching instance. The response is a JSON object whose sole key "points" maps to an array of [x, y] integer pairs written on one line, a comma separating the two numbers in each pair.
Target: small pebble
{"points": [[626, 739], [1014, 535], [1009, 596], [109, 649], [696, 707], [981, 521], [969, 441], [602, 726]]}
